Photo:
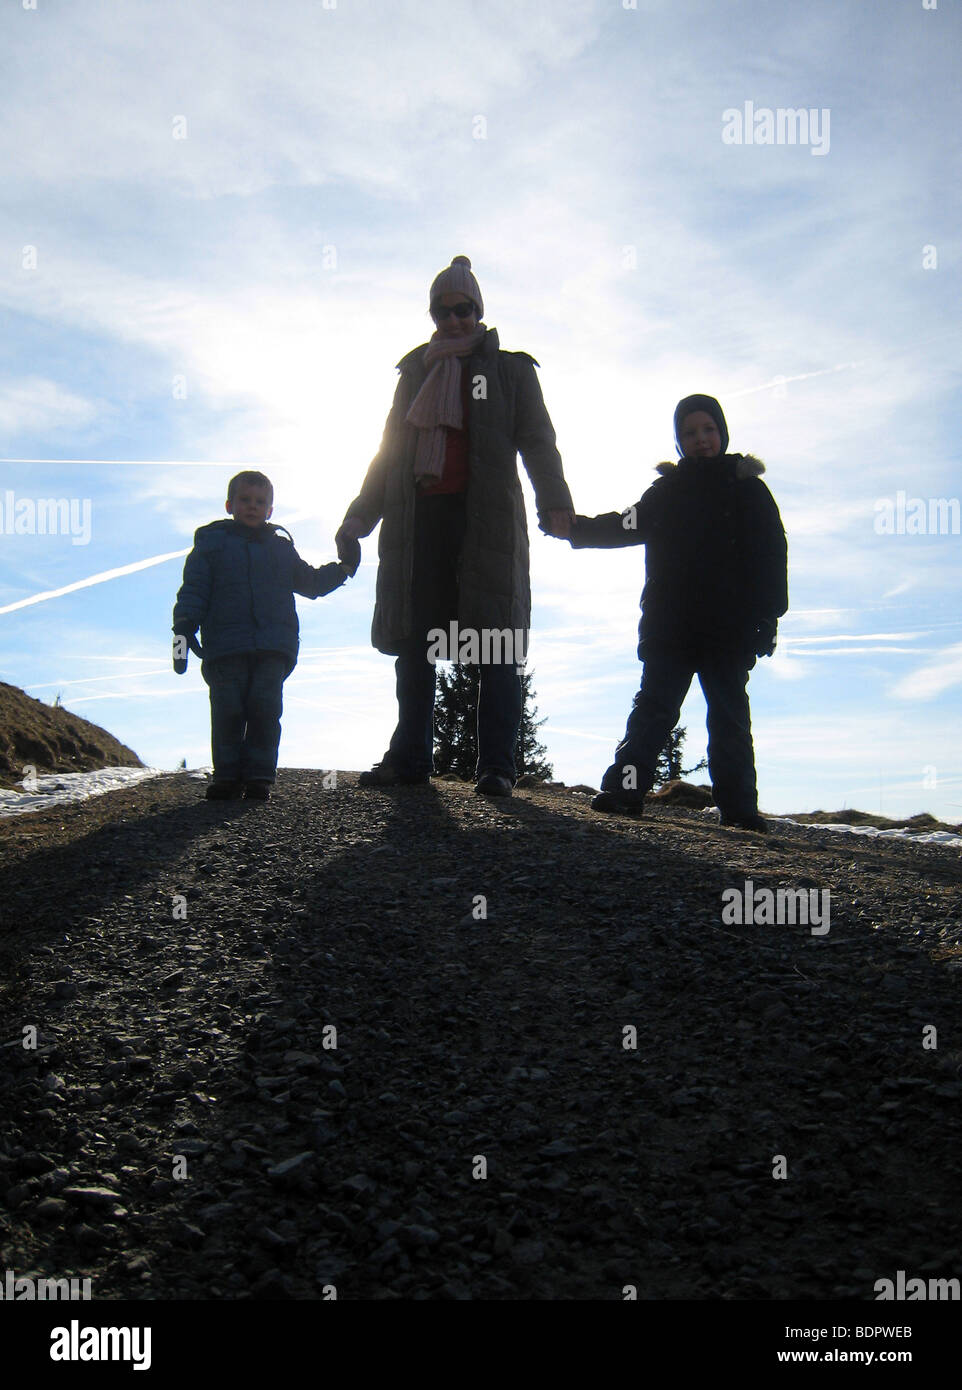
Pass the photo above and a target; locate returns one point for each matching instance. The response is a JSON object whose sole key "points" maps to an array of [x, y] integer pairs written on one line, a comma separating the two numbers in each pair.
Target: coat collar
{"points": [[249, 533], [746, 466], [413, 361]]}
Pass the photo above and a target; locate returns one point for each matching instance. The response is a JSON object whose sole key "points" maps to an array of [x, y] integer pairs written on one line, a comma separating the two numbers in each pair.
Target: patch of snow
{"points": [[948, 838], [925, 837], [61, 787]]}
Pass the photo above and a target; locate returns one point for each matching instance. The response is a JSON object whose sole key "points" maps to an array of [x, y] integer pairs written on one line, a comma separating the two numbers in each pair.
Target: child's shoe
{"points": [[750, 821], [257, 790], [223, 790], [622, 803]]}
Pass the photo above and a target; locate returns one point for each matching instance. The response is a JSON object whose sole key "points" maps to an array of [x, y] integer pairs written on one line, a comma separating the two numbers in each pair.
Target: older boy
{"points": [[716, 585], [239, 585]]}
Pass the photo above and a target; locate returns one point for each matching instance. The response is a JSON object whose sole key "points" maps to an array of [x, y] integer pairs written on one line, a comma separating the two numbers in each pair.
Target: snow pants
{"points": [[665, 681]]}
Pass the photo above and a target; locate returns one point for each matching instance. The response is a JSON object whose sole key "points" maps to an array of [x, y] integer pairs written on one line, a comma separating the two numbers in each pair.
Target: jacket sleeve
{"points": [[193, 596], [535, 437], [771, 557], [314, 582], [612, 529], [369, 503], [608, 530]]}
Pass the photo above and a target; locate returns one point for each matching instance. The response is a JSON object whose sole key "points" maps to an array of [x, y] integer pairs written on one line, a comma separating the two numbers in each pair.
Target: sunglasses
{"points": [[463, 310]]}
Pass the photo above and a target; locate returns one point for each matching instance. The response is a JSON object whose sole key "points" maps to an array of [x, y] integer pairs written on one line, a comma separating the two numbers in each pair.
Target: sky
{"points": [[218, 231]]}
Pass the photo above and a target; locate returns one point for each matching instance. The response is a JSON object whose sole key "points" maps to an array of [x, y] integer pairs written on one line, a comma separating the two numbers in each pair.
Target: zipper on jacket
{"points": [[250, 591]]}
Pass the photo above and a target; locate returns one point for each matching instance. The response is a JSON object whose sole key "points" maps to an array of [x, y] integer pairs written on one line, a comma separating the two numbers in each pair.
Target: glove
{"points": [[765, 635], [184, 638]]}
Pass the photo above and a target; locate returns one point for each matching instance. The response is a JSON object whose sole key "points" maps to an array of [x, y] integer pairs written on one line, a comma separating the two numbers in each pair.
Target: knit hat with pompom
{"points": [[457, 279]]}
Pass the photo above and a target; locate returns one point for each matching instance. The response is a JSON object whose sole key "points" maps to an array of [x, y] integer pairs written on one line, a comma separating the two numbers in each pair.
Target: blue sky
{"points": [[218, 230]]}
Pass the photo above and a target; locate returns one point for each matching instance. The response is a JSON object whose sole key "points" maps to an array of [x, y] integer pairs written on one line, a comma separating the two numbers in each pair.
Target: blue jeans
{"points": [[439, 526], [246, 703], [666, 678]]}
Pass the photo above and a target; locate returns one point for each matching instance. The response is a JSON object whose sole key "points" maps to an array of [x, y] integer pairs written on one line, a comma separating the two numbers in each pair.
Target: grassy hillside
{"points": [[52, 740]]}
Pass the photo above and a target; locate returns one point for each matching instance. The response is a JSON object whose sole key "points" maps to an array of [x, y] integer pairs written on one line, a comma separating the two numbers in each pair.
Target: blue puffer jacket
{"points": [[239, 586]]}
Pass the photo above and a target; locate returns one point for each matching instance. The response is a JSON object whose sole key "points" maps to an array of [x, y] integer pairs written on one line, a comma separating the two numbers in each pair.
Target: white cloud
{"points": [[939, 674], [38, 405], [273, 94], [308, 127]]}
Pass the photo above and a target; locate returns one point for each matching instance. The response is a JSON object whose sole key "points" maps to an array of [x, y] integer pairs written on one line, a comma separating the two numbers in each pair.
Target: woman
{"points": [[453, 546]]}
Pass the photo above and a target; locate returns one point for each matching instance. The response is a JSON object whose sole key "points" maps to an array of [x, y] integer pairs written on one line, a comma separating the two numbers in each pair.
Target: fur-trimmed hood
{"points": [[746, 466]]}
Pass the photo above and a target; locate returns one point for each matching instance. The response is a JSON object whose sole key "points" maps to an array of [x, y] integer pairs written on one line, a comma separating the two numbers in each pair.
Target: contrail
{"points": [[95, 579], [857, 637], [784, 380], [160, 668], [142, 463]]}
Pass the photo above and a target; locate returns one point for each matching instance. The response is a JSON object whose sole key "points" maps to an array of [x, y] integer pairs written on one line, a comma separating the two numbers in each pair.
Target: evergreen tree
{"points": [[456, 725], [529, 754], [668, 767], [455, 720]]}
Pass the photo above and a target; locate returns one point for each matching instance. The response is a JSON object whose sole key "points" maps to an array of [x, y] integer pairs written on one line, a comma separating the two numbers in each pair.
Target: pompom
{"points": [[462, 260]]}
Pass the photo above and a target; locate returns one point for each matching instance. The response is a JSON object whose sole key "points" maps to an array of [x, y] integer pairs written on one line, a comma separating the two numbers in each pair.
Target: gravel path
{"points": [[377, 1040]]}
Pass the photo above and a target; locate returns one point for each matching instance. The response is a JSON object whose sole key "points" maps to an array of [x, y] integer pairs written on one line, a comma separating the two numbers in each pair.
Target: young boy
{"points": [[715, 587], [239, 585]]}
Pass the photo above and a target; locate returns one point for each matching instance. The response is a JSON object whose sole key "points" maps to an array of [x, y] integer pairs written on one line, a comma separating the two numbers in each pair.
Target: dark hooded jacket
{"points": [[239, 586], [506, 415], [715, 552]]}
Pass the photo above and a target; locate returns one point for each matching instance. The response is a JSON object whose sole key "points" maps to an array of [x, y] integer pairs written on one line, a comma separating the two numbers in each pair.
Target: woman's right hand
{"points": [[557, 522]]}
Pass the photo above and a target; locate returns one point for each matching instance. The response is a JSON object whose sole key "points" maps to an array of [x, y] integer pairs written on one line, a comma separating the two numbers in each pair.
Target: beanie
{"points": [[457, 279], [710, 406]]}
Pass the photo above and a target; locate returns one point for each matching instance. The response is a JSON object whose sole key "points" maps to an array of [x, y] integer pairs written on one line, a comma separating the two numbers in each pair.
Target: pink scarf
{"points": [[437, 405]]}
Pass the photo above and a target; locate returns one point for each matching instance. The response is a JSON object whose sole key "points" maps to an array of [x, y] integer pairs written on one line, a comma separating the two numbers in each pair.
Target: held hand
{"points": [[349, 554], [765, 637], [558, 522], [346, 540]]}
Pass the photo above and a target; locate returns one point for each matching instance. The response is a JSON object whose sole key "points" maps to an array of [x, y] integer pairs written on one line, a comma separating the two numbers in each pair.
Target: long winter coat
{"points": [[715, 552], [506, 416], [239, 586]]}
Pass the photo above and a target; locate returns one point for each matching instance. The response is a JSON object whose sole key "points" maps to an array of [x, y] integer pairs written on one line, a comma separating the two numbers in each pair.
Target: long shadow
{"points": [[531, 960], [50, 889]]}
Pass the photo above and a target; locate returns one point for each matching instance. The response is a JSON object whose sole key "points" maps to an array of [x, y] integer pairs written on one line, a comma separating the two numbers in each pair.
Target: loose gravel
{"points": [[414, 1043]]}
